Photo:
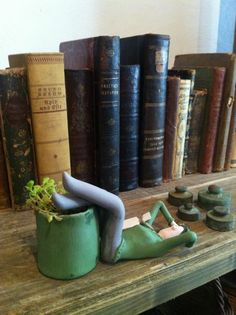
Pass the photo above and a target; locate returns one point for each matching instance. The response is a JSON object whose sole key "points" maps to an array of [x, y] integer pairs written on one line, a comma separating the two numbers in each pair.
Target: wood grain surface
{"points": [[128, 287]]}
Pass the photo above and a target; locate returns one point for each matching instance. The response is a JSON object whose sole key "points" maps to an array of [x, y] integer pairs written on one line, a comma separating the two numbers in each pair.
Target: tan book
{"points": [[181, 124], [46, 84]]}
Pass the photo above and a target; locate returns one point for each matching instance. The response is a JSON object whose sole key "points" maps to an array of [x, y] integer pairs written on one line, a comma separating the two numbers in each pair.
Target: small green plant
{"points": [[40, 198]]}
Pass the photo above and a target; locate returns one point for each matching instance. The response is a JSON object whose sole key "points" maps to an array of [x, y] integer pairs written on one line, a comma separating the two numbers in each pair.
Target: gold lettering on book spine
{"points": [[49, 114]]}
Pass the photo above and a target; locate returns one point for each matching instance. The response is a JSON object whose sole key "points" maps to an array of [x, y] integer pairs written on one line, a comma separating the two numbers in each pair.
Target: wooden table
{"points": [[129, 287]]}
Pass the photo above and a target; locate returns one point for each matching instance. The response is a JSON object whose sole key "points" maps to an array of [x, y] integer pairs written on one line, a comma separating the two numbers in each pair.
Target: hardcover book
{"points": [[80, 111], [187, 74], [151, 52], [129, 126], [231, 147], [5, 200], [227, 61], [182, 115], [16, 128], [102, 55], [211, 79], [173, 88], [195, 130], [46, 85]]}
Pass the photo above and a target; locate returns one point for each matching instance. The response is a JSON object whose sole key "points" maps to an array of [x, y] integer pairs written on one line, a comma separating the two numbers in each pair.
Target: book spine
{"points": [[155, 65], [173, 87], [186, 142], [46, 83], [80, 112], [129, 126], [107, 100], [5, 200], [195, 130], [210, 130], [222, 136], [182, 114], [232, 131], [18, 143], [233, 157]]}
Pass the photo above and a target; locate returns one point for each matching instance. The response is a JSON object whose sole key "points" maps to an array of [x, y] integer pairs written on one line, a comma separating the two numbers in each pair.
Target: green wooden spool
{"points": [[213, 196], [180, 196], [188, 212], [220, 219], [68, 248]]}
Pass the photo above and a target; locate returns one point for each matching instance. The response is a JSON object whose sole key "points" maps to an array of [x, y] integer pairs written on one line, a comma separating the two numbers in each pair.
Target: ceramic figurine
{"points": [[188, 212], [220, 219], [138, 241], [180, 196], [213, 196]]}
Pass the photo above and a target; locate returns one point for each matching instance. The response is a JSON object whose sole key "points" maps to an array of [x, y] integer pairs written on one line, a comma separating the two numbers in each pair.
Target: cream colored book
{"points": [[181, 123], [46, 84]]}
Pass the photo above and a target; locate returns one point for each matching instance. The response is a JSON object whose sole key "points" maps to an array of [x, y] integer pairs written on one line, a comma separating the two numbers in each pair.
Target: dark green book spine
{"points": [[155, 65], [195, 130], [129, 126], [18, 141], [107, 100], [80, 112]]}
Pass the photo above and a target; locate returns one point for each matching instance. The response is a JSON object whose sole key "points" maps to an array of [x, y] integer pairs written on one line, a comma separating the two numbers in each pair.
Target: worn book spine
{"points": [[233, 157], [212, 120], [173, 88], [17, 135], [5, 200], [220, 60], [46, 85], [232, 131], [155, 65], [129, 126], [186, 74], [182, 114], [195, 130], [222, 136], [80, 112], [107, 102]]}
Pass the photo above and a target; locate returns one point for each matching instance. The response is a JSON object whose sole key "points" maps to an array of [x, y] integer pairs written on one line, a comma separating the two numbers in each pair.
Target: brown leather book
{"points": [[213, 80], [46, 85], [16, 128], [227, 61], [80, 110], [5, 200], [231, 150], [195, 130], [173, 89]]}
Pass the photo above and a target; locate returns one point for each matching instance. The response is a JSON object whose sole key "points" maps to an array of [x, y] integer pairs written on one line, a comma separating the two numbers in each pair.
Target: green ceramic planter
{"points": [[69, 248]]}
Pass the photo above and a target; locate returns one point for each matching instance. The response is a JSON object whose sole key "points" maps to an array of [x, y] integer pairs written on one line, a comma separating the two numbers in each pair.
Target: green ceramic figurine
{"points": [[213, 196], [188, 212], [138, 241], [180, 196], [220, 219]]}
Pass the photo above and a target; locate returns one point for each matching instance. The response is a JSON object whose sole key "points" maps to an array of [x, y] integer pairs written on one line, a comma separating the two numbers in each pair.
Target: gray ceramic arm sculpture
{"points": [[112, 234]]}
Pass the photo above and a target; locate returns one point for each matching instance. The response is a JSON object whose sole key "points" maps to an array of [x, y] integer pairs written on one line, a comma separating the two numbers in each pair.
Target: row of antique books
{"points": [[109, 111]]}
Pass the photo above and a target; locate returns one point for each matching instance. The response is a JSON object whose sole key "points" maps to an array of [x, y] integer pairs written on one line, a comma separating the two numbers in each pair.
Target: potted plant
{"points": [[67, 243]]}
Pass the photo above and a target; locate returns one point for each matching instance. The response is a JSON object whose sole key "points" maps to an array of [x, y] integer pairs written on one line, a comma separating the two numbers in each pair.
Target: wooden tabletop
{"points": [[128, 287]]}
